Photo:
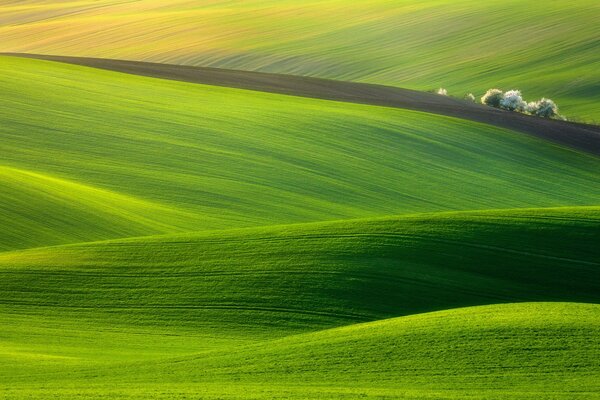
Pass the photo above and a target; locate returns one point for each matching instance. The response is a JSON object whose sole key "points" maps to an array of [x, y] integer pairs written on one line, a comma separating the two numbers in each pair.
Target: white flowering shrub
{"points": [[513, 101], [544, 108], [442, 92], [492, 97], [470, 97]]}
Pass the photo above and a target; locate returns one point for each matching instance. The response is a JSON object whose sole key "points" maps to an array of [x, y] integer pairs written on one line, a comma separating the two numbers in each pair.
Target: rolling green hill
{"points": [[462, 45], [545, 350], [249, 306], [321, 274], [169, 240], [47, 210], [516, 351], [145, 156]]}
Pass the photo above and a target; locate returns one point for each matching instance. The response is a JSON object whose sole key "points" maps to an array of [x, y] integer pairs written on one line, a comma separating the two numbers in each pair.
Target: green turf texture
{"points": [[517, 351], [91, 155], [321, 274], [547, 49], [179, 316], [165, 240]]}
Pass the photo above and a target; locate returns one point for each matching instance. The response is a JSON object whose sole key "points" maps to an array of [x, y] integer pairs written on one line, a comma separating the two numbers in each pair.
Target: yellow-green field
{"points": [[172, 240], [463, 45]]}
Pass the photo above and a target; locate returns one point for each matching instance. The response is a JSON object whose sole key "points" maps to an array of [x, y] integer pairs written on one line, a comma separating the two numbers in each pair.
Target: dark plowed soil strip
{"points": [[580, 136]]}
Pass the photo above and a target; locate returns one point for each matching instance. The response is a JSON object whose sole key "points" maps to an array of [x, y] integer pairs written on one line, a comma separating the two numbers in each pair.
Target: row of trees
{"points": [[512, 100]]}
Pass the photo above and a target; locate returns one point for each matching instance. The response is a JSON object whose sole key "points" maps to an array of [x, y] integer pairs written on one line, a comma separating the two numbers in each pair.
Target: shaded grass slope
{"points": [[464, 45], [513, 351], [205, 157], [263, 283]]}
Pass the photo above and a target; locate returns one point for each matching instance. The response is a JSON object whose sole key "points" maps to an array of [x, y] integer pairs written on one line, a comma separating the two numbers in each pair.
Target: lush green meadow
{"points": [[463, 45], [119, 315], [90, 154], [518, 351], [166, 240]]}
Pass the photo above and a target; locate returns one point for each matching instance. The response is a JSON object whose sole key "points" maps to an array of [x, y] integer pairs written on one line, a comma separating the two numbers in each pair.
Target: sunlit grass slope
{"points": [[513, 351], [524, 351], [463, 45], [40, 209], [210, 290], [150, 156]]}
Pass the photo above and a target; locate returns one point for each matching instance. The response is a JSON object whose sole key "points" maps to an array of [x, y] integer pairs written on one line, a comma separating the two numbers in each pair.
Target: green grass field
{"points": [[517, 351], [463, 45], [182, 310], [166, 240], [121, 156]]}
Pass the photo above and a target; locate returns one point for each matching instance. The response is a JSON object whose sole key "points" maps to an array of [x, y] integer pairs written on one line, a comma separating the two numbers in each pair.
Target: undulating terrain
{"points": [[176, 235], [548, 49]]}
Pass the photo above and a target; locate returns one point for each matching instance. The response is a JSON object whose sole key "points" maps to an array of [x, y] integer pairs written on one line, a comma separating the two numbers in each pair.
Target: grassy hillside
{"points": [[321, 274], [107, 155], [464, 45], [107, 303], [47, 210], [517, 351], [168, 240], [524, 351]]}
